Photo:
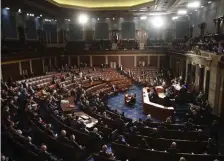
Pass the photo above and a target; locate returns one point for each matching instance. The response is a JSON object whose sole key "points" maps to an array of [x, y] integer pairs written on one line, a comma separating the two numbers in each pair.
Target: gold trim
{"points": [[85, 7]]}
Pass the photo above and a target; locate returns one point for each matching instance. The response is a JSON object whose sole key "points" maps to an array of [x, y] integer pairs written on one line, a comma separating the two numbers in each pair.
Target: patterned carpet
{"points": [[135, 112]]}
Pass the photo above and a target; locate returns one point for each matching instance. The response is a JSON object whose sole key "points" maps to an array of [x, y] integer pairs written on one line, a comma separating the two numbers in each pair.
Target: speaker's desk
{"points": [[157, 111]]}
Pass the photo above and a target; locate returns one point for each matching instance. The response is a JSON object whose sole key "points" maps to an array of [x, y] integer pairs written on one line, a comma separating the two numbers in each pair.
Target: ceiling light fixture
{"points": [[83, 19], [209, 1], [143, 17], [194, 4], [157, 22], [175, 18], [182, 12]]}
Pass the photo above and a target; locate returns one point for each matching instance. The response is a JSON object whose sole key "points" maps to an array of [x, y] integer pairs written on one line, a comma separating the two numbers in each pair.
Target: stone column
{"points": [[148, 60], [119, 60], [106, 59], [197, 76], [135, 61], [91, 61], [31, 68], [214, 87], [20, 69], [43, 65]]}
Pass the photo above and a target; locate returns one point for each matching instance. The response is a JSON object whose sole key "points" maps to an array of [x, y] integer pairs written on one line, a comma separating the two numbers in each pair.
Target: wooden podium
{"points": [[157, 111]]}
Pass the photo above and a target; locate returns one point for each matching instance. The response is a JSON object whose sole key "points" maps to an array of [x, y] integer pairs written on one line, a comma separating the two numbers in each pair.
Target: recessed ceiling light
{"points": [[209, 1], [143, 17], [182, 12], [194, 4]]}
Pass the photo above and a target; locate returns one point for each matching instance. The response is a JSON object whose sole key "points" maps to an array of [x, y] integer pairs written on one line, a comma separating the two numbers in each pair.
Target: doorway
{"points": [[115, 36]]}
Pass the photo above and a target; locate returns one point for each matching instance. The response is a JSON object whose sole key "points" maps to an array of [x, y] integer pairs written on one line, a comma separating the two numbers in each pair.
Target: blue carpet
{"points": [[135, 112]]}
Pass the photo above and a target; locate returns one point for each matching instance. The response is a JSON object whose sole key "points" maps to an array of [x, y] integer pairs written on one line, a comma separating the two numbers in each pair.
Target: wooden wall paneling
{"points": [[113, 59], [10, 70], [164, 62], [142, 58], [60, 61], [85, 59], [127, 61], [26, 66], [153, 61], [74, 60], [47, 64], [52, 63], [98, 60], [37, 67]]}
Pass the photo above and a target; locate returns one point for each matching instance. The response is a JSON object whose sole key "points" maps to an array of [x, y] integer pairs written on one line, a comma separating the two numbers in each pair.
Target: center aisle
{"points": [[135, 112]]}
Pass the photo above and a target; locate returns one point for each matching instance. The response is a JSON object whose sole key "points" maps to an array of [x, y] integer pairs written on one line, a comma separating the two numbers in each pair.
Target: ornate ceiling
{"points": [[101, 4]]}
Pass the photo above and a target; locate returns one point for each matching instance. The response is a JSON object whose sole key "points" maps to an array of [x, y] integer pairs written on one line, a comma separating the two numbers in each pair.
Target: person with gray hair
{"points": [[95, 133], [182, 159], [63, 137], [173, 148], [29, 145], [74, 143]]}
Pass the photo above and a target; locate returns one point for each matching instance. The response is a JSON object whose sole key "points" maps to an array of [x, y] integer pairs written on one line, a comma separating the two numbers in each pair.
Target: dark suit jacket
{"points": [[32, 147], [45, 156], [64, 139]]}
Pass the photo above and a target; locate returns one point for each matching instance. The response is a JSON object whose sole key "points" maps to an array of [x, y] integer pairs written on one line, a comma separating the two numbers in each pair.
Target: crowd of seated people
{"points": [[211, 43], [142, 75], [152, 44], [34, 120], [128, 45]]}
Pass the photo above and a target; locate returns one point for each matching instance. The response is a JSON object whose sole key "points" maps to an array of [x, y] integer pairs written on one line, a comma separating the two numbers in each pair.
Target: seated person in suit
{"points": [[168, 120], [155, 133], [74, 143], [148, 120], [63, 137], [96, 134], [133, 99], [105, 154], [29, 145], [182, 159], [133, 130], [49, 130], [45, 155], [211, 148], [173, 148]]}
